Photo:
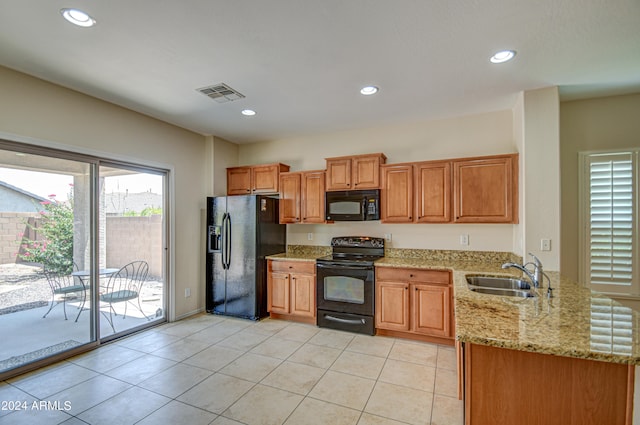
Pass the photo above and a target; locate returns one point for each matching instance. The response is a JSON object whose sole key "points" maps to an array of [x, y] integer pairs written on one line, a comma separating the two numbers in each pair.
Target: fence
{"points": [[128, 239]]}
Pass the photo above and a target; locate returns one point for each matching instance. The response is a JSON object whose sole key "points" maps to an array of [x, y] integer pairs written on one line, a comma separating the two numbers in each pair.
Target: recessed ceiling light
{"points": [[248, 112], [503, 56], [369, 90], [78, 17]]}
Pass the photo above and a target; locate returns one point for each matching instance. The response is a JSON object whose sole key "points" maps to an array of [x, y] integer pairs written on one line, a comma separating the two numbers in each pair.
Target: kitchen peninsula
{"points": [[569, 359]]}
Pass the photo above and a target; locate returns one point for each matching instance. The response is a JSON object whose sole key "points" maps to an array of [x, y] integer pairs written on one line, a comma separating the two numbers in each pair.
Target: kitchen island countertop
{"points": [[575, 322]]}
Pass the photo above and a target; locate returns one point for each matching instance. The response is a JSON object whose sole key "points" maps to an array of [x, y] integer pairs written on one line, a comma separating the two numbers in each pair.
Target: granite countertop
{"points": [[287, 256], [576, 322]]}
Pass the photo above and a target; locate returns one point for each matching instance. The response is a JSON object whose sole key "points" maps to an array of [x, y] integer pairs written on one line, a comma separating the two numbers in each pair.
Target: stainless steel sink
{"points": [[504, 286]]}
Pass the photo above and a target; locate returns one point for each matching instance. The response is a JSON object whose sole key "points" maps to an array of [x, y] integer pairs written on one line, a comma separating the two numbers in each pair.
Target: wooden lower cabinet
{"points": [[291, 290], [505, 387], [414, 303]]}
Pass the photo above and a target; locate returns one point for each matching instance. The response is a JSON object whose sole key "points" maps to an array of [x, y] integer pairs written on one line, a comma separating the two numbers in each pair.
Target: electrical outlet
{"points": [[187, 292], [310, 236], [387, 237], [545, 244], [464, 239]]}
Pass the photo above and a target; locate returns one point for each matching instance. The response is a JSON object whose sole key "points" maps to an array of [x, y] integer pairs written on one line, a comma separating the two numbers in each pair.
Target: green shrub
{"points": [[54, 247]]}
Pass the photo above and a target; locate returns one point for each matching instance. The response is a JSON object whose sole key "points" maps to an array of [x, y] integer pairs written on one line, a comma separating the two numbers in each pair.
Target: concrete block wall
{"points": [[13, 228], [135, 238]]}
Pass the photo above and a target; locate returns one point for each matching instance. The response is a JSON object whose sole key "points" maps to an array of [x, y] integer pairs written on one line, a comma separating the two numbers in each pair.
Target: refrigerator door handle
{"points": [[224, 241], [228, 240]]}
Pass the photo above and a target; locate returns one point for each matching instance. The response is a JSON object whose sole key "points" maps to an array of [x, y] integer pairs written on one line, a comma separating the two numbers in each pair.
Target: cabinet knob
{"points": [[406, 288], [411, 275]]}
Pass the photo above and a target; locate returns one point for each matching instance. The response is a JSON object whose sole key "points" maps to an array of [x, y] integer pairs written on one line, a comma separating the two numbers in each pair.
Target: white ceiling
{"points": [[301, 63]]}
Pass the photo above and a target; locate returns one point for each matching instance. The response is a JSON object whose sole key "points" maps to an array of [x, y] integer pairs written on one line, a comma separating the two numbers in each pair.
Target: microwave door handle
{"points": [[364, 208]]}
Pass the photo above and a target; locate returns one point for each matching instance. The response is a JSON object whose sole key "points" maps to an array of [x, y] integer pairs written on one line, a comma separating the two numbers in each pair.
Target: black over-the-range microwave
{"points": [[353, 205]]}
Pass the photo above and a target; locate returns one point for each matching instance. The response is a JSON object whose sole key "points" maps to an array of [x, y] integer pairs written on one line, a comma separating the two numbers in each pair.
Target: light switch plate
{"points": [[545, 244]]}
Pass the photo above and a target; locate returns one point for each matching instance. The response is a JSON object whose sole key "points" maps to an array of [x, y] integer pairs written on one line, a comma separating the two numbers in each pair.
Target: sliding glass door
{"points": [[45, 240], [132, 240], [83, 253]]}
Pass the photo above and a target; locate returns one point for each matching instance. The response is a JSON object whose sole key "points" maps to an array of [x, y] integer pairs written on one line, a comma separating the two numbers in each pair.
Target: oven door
{"points": [[345, 288]]}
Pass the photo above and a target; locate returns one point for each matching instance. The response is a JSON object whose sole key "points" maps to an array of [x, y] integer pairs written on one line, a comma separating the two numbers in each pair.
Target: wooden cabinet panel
{"points": [[442, 277], [485, 189], [308, 267], [303, 297], [392, 306], [397, 193], [302, 197], [431, 309], [265, 179], [290, 197], [239, 181], [278, 293], [504, 387], [254, 179], [358, 172], [366, 172], [414, 302], [291, 290], [433, 192], [339, 174], [313, 183]]}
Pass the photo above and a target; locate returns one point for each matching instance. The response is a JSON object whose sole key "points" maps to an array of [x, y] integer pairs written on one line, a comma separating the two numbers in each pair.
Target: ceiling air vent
{"points": [[221, 93]]}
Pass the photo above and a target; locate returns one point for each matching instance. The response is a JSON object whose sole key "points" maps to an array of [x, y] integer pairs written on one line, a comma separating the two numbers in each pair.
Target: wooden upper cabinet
{"points": [[433, 192], [486, 189], [302, 197], [312, 202], [397, 193], [239, 181], [357, 172], [255, 179], [290, 196]]}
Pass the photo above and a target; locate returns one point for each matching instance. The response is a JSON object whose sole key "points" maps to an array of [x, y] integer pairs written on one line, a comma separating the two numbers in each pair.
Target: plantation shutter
{"points": [[611, 219]]}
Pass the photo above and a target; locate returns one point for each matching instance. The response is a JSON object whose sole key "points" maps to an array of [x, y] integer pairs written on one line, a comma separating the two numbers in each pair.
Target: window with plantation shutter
{"points": [[609, 260]]}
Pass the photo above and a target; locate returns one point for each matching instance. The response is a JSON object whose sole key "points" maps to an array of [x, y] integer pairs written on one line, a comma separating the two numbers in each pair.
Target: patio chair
{"points": [[62, 287], [125, 286]]}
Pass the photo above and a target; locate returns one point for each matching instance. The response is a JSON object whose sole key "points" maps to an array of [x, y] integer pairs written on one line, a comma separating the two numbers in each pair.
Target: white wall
{"points": [[475, 135], [540, 185], [34, 111], [586, 125]]}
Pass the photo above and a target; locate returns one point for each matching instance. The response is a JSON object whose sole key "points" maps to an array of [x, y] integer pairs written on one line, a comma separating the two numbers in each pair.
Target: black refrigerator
{"points": [[241, 231]]}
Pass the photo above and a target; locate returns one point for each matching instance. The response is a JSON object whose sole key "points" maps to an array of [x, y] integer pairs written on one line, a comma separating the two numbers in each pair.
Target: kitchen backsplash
{"points": [[427, 254]]}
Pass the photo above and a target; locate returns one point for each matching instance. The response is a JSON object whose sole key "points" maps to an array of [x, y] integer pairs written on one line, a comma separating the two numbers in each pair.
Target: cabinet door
{"points": [[313, 197], [392, 306], [339, 174], [433, 192], [265, 179], [366, 172], [397, 194], [431, 309], [303, 295], [485, 190], [289, 198], [239, 181], [278, 292]]}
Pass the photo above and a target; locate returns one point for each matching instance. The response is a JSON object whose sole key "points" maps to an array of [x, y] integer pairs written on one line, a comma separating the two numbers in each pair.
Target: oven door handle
{"points": [[347, 321], [342, 267]]}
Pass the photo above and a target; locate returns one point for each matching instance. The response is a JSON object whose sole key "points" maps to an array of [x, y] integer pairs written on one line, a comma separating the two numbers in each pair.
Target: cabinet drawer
{"points": [[308, 267], [418, 275]]}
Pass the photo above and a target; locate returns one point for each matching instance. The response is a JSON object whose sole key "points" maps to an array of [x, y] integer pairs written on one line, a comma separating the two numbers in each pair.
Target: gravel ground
{"points": [[22, 287]]}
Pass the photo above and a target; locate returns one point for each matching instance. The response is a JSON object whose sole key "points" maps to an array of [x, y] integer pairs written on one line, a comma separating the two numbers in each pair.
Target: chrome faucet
{"points": [[532, 278], [538, 275]]}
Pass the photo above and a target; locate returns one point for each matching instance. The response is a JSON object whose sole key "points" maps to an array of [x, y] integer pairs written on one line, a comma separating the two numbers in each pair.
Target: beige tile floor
{"points": [[221, 371]]}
